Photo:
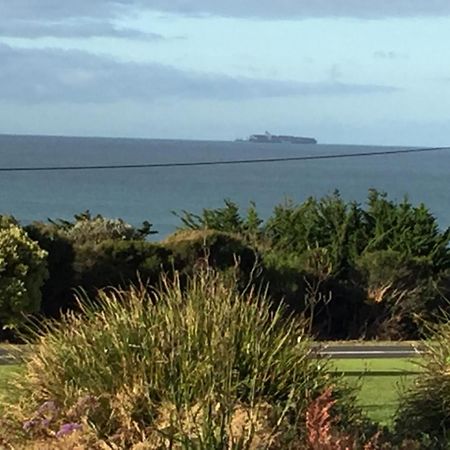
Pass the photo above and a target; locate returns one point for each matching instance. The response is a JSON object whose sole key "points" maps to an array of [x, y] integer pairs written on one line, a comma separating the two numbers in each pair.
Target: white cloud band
{"points": [[54, 75]]}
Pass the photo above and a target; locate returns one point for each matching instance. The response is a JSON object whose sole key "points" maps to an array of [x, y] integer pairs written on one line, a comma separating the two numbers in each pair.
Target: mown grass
{"points": [[10, 364], [6, 374], [378, 365], [381, 382]]}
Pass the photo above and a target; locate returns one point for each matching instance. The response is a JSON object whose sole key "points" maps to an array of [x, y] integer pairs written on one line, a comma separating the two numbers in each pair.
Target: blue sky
{"points": [[344, 71]]}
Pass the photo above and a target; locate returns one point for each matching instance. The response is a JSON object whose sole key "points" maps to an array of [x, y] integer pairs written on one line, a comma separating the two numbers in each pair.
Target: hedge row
{"points": [[374, 271]]}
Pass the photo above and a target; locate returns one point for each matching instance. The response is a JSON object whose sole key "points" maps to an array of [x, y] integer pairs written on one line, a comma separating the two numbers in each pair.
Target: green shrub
{"points": [[22, 273], [372, 270], [425, 407], [92, 252], [116, 263], [227, 219], [57, 291], [329, 223], [86, 228], [411, 230], [198, 248], [200, 367]]}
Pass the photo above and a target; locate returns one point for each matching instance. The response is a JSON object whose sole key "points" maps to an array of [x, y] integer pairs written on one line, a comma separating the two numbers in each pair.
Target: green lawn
{"points": [[380, 381], [6, 372]]}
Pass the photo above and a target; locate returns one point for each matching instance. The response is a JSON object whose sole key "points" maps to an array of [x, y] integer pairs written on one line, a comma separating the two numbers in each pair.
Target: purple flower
{"points": [[29, 424], [45, 423], [67, 428], [36, 422], [48, 406]]}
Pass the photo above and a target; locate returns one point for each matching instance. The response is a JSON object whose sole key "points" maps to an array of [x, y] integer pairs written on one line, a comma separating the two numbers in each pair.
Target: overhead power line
{"points": [[226, 162]]}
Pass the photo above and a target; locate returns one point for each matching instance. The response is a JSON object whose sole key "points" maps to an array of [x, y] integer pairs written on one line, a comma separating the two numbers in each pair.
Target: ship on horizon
{"points": [[268, 138]]}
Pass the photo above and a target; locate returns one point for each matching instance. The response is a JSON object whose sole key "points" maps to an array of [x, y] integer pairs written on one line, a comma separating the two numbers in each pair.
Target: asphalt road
{"points": [[335, 351], [381, 351]]}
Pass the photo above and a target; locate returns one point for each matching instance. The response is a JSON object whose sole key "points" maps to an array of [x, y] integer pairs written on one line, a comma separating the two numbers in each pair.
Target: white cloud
{"points": [[54, 75], [71, 29], [270, 9]]}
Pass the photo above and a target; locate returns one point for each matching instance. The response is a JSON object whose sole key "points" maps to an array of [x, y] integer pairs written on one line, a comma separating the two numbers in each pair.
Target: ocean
{"points": [[153, 194]]}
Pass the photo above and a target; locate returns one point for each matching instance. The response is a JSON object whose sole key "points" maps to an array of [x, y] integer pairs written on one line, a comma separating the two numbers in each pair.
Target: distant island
{"points": [[278, 139]]}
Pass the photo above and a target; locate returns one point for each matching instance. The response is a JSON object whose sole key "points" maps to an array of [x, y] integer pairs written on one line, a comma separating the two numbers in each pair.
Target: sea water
{"points": [[153, 194]]}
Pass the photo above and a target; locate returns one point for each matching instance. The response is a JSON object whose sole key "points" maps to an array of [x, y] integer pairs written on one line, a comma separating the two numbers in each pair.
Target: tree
{"points": [[22, 273]]}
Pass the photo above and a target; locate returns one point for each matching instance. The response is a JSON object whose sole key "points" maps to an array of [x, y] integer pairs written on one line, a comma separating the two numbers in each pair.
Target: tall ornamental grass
{"points": [[198, 367], [424, 410]]}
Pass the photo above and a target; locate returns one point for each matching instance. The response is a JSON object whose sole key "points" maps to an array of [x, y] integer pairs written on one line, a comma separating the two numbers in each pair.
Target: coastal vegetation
{"points": [[195, 366], [424, 407], [204, 340], [375, 271], [22, 274]]}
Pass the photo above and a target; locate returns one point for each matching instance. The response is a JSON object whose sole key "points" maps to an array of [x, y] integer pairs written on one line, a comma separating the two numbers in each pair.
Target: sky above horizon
{"points": [[344, 71]]}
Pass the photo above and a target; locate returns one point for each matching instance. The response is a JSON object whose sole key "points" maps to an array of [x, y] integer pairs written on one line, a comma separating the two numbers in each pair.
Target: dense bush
{"points": [[356, 271], [193, 249], [86, 228], [57, 293], [92, 252], [227, 219], [116, 263], [22, 273], [336, 309], [199, 367], [118, 255], [425, 408], [327, 223], [411, 230]]}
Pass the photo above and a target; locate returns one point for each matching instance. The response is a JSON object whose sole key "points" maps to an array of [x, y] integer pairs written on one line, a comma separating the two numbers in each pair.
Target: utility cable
{"points": [[225, 162]]}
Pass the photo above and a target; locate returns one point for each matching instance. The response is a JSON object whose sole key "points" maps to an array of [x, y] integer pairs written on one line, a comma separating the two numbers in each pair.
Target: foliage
{"points": [[358, 272], [347, 230], [323, 434], [371, 271], [94, 229], [327, 223], [91, 252], [57, 294], [22, 273], [425, 407], [398, 285], [411, 230], [226, 219], [200, 367], [114, 263], [221, 250]]}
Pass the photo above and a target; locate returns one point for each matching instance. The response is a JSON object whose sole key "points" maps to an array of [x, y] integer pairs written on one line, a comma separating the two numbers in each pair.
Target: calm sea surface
{"points": [[153, 193]]}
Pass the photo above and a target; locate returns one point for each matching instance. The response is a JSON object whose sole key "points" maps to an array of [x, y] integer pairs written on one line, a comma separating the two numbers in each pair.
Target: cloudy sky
{"points": [[345, 71]]}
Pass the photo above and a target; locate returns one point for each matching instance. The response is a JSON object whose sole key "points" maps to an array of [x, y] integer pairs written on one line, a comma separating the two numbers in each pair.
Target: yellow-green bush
{"points": [[22, 273]]}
